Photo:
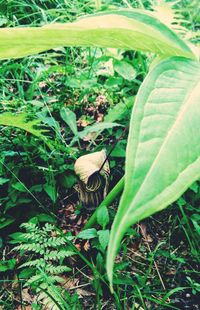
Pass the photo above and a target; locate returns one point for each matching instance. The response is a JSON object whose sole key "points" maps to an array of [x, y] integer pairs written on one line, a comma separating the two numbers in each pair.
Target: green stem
{"points": [[106, 202], [98, 4]]}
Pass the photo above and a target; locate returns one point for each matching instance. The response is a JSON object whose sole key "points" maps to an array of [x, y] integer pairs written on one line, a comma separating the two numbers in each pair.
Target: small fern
{"points": [[46, 250], [55, 255], [48, 294]]}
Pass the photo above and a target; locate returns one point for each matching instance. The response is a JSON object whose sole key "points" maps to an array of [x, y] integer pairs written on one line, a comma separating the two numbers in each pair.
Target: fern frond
{"points": [[56, 269], [48, 300], [47, 248], [34, 263], [34, 280], [30, 227], [54, 242], [33, 247], [57, 255], [52, 279], [49, 227], [31, 236]]}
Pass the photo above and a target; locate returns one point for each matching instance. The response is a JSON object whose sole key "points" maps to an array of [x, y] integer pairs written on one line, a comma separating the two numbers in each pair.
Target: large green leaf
{"points": [[20, 121], [126, 29], [163, 151]]}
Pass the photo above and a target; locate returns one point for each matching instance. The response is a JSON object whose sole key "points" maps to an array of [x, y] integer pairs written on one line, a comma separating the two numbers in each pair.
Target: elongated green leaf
{"points": [[99, 127], [163, 151], [127, 29], [5, 221], [3, 181], [69, 117], [88, 234], [51, 191]]}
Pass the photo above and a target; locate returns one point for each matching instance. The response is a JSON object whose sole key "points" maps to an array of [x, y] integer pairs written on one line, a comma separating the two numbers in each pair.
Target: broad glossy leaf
{"points": [[163, 151], [126, 29]]}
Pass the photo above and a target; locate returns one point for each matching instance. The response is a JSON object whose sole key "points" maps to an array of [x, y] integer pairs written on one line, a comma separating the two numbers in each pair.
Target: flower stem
{"points": [[117, 189]]}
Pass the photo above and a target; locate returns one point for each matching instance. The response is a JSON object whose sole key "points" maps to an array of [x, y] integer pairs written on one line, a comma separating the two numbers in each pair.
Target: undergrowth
{"points": [[82, 100]]}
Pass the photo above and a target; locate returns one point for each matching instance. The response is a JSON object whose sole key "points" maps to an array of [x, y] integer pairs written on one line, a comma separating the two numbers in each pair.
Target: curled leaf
{"points": [[87, 165], [93, 171]]}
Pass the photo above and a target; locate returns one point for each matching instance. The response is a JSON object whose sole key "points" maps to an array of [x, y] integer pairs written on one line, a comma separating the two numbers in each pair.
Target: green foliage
{"points": [[128, 30], [46, 242], [66, 91], [120, 111], [69, 118], [3, 181], [7, 265], [46, 251], [125, 70], [103, 216], [88, 234], [20, 121], [163, 157], [103, 238]]}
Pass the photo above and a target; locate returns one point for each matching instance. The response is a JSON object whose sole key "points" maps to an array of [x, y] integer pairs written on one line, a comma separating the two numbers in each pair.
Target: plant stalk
{"points": [[117, 189]]}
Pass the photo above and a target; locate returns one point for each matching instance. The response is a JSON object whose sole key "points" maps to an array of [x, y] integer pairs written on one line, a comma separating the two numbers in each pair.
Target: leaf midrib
{"points": [[162, 39], [168, 135]]}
